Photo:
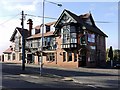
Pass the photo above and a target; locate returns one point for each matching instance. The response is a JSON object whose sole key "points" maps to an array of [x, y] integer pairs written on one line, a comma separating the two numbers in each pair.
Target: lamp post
{"points": [[43, 10]]}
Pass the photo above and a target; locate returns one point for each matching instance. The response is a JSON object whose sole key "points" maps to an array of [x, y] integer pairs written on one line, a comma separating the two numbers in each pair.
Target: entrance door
{"points": [[29, 58], [82, 58]]}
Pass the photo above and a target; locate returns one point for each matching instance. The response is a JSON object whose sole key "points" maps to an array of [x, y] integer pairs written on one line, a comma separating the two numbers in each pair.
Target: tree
{"points": [[110, 55]]}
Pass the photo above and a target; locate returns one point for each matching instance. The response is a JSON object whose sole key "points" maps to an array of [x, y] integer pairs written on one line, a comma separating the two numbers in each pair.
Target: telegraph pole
{"points": [[23, 42]]}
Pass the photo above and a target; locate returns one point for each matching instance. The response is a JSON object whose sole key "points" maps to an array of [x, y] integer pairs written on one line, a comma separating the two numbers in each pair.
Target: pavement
{"points": [[92, 77]]}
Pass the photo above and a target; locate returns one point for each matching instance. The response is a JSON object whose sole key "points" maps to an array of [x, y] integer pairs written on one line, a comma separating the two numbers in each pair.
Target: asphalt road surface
{"points": [[14, 78]]}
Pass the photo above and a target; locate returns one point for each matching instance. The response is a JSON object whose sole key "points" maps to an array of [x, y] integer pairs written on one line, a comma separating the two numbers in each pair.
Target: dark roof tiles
{"points": [[40, 35], [8, 50]]}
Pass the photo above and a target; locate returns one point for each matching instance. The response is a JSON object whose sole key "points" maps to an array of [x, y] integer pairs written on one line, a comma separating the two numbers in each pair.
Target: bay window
{"points": [[69, 34], [73, 38]]}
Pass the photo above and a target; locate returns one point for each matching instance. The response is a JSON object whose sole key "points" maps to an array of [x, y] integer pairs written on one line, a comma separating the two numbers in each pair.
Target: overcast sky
{"points": [[102, 10]]}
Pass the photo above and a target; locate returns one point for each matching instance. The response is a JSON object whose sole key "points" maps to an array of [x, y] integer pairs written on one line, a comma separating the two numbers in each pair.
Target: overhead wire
{"points": [[44, 17], [9, 19], [40, 16]]}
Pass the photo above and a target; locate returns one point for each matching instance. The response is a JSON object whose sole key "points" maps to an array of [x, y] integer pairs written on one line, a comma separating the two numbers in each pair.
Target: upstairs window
{"points": [[72, 29], [37, 31], [73, 37], [66, 34], [47, 28], [91, 38]]}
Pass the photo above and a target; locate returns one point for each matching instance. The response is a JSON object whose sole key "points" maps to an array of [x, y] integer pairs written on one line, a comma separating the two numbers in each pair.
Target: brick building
{"points": [[74, 42]]}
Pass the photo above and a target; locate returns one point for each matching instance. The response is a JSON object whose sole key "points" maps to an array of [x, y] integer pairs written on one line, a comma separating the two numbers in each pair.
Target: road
{"points": [[14, 77]]}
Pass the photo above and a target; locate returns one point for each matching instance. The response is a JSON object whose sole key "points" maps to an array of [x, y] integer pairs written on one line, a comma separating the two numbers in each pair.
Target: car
{"points": [[117, 66]]}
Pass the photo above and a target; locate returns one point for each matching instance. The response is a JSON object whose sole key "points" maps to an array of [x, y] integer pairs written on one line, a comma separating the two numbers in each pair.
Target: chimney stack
{"points": [[30, 23]]}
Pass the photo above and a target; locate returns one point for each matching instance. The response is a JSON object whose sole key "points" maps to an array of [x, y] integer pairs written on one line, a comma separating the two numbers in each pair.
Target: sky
{"points": [[102, 11]]}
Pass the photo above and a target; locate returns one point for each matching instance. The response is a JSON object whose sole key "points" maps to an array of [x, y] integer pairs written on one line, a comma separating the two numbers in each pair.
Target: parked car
{"points": [[117, 66]]}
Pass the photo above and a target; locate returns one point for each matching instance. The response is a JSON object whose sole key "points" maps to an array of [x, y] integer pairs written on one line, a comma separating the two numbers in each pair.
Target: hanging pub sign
{"points": [[83, 40]]}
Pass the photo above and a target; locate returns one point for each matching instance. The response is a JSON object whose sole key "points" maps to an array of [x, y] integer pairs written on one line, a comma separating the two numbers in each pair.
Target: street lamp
{"points": [[43, 10]]}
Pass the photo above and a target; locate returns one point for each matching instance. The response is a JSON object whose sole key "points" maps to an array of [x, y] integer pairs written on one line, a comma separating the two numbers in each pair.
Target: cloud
{"points": [[20, 5]]}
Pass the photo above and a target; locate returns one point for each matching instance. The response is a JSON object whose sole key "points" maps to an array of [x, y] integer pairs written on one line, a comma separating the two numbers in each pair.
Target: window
{"points": [[37, 31], [17, 43], [47, 28], [48, 41], [72, 29], [92, 53], [91, 38], [93, 47], [66, 34], [50, 57], [44, 42], [13, 56], [75, 56], [35, 43], [8, 56], [20, 56], [69, 56], [64, 56], [73, 38]]}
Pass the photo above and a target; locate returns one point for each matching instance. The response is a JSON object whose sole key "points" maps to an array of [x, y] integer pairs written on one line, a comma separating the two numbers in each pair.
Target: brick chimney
{"points": [[30, 23]]}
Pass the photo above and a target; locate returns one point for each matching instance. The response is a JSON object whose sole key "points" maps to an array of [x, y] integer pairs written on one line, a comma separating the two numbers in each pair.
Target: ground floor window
{"points": [[75, 56], [9, 56], [20, 56], [64, 56], [13, 56], [51, 57], [69, 56], [92, 55]]}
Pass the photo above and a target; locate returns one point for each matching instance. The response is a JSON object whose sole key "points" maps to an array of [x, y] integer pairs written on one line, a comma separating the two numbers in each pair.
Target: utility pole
{"points": [[23, 42]]}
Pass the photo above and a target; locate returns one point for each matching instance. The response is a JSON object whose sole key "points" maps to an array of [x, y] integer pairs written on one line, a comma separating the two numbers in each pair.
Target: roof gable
{"points": [[19, 30], [66, 17], [80, 20]]}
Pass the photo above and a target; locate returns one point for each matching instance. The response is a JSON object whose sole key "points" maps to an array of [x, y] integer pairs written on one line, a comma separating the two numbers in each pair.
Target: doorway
{"points": [[29, 58], [82, 58]]}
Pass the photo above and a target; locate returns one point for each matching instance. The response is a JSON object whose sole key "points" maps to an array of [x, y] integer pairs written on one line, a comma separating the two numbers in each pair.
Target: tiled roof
{"points": [[87, 15], [8, 50], [37, 27], [50, 23], [40, 35]]}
